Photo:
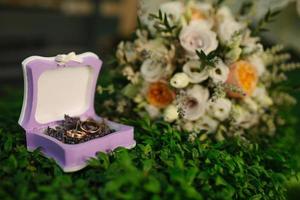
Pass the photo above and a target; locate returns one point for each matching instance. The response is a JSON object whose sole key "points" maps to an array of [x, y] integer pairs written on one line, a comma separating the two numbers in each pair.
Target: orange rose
{"points": [[243, 75], [160, 95]]}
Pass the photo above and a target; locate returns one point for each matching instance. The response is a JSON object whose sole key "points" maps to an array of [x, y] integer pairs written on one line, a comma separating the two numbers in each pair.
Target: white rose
{"points": [[198, 36], [173, 9], [227, 28], [258, 63], [180, 80], [219, 73], [220, 108], [261, 96], [194, 104], [171, 113], [190, 69], [206, 123], [152, 70]]}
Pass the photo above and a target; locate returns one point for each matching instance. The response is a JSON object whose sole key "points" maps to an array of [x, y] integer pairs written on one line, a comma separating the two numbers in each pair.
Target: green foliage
{"points": [[162, 23], [269, 17], [163, 165], [207, 60], [245, 8]]}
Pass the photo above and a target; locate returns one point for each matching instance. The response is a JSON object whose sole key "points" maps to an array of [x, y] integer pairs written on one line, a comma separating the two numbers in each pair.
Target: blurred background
{"points": [[51, 27]]}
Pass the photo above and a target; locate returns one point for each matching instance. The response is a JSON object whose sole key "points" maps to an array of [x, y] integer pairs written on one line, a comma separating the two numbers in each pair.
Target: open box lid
{"points": [[55, 86]]}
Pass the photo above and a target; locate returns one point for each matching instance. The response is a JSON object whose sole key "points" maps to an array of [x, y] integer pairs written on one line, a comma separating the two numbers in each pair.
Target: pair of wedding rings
{"points": [[86, 128]]}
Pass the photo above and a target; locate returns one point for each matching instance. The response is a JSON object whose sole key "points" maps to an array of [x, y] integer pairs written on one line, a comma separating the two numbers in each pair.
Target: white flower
{"points": [[190, 69], [194, 104], [173, 9], [128, 72], [155, 48], [224, 13], [179, 80], [261, 96], [234, 54], [171, 113], [188, 126], [227, 28], [126, 52], [251, 44], [206, 123], [252, 105], [152, 70], [244, 118], [152, 111], [258, 63], [198, 36], [220, 108], [219, 73]]}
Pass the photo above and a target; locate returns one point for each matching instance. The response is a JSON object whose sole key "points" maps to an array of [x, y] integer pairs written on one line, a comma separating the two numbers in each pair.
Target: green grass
{"points": [[163, 165]]}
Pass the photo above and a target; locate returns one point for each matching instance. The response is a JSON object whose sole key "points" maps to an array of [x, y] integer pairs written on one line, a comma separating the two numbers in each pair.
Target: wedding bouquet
{"points": [[203, 69]]}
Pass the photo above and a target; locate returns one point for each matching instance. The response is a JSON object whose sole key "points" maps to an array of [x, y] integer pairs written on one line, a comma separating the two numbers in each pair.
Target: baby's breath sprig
{"points": [[289, 67], [180, 96], [284, 99], [109, 89], [271, 59], [275, 49], [218, 90]]}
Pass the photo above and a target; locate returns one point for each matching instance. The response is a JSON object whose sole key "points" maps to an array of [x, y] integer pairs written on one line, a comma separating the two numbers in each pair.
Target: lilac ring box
{"points": [[65, 84]]}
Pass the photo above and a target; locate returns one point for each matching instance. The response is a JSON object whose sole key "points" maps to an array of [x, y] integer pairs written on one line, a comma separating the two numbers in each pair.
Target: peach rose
{"points": [[243, 75], [160, 95]]}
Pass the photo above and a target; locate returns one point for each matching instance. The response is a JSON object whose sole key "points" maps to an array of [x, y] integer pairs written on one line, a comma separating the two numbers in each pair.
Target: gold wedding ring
{"points": [[76, 134], [90, 126]]}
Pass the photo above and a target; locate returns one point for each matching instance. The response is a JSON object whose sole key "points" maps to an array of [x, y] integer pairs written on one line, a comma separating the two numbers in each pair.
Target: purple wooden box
{"points": [[65, 84]]}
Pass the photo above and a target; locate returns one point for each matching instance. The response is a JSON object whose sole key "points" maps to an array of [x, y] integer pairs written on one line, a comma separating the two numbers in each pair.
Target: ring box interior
{"points": [[65, 84]]}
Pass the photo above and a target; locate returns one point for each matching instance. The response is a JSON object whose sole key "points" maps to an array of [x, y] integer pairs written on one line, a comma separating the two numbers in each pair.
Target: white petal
{"points": [[219, 73], [195, 77], [151, 70], [179, 80], [258, 63], [220, 109], [174, 10], [171, 113], [198, 36], [195, 102]]}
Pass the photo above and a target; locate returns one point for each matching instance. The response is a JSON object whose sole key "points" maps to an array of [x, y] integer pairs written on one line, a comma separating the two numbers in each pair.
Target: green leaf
{"points": [[131, 90]]}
